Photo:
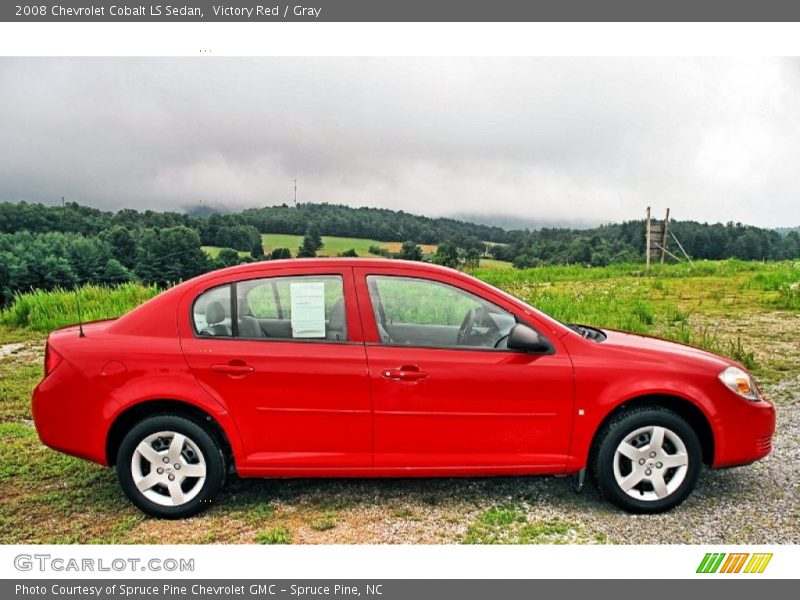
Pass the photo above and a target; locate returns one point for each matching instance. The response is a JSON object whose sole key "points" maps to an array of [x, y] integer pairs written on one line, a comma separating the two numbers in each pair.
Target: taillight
{"points": [[51, 359]]}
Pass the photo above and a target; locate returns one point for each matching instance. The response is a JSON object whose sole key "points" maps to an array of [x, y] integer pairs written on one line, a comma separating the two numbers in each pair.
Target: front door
{"points": [[280, 354], [447, 394]]}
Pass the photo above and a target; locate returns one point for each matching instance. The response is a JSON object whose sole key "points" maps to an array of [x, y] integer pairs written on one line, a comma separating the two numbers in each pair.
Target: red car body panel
{"points": [[306, 405], [324, 408], [479, 409]]}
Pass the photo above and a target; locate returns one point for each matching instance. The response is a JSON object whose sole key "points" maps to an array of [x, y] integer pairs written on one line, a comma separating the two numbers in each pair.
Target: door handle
{"points": [[405, 373], [235, 368]]}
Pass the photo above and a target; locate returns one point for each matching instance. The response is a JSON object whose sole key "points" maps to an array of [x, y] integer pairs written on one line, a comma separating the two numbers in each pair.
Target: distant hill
{"points": [[524, 242], [333, 219], [512, 222], [787, 230], [204, 210]]}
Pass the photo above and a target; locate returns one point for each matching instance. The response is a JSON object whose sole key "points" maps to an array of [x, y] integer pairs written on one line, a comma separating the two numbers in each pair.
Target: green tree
{"points": [[149, 261], [447, 255], [311, 242], [123, 245], [6, 260], [257, 252], [525, 261], [280, 253], [349, 253], [86, 257], [791, 245], [57, 272], [182, 249], [499, 252], [313, 233], [166, 256], [472, 258], [308, 249], [239, 237], [410, 250], [580, 251], [227, 257], [20, 276], [115, 272], [378, 250]]}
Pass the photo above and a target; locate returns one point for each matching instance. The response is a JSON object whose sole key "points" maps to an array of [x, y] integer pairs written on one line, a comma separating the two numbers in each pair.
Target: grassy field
{"points": [[706, 304], [750, 311], [44, 311], [332, 245], [490, 263]]}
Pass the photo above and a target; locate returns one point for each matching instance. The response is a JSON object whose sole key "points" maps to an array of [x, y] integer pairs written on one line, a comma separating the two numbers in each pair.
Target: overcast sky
{"points": [[543, 139]]}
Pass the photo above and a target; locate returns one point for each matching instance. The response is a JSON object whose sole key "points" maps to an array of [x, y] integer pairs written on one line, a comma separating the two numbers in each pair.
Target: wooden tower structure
{"points": [[656, 239]]}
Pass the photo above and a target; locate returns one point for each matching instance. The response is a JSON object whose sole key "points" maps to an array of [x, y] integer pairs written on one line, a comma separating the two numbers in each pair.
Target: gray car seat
{"points": [[249, 326], [337, 323], [215, 315]]}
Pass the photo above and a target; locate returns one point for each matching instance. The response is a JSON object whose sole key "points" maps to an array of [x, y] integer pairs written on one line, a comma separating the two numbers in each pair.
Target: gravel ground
{"points": [[9, 349]]}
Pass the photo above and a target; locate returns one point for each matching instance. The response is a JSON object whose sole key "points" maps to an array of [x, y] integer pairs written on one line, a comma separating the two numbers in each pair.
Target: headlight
{"points": [[740, 383]]}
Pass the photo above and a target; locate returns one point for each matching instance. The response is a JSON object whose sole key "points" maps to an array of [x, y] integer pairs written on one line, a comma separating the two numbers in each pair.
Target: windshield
{"points": [[585, 331]]}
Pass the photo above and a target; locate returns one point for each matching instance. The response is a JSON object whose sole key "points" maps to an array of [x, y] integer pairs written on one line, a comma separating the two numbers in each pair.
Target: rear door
{"points": [[285, 355], [447, 395]]}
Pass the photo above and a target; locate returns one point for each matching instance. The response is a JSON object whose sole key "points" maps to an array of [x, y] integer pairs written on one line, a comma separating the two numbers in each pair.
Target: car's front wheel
{"points": [[170, 466], [647, 460]]}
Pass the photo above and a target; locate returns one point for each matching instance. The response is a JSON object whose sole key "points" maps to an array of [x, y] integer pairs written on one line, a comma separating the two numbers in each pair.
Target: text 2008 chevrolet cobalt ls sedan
{"points": [[379, 368]]}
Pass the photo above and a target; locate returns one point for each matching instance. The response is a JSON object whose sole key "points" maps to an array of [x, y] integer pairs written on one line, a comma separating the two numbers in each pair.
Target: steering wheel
{"points": [[466, 325]]}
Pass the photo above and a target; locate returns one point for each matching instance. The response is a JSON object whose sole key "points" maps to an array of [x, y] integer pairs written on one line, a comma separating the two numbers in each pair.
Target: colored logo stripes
{"points": [[735, 562]]}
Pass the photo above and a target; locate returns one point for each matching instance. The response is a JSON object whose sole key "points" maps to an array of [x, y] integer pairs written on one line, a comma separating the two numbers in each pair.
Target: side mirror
{"points": [[526, 339]]}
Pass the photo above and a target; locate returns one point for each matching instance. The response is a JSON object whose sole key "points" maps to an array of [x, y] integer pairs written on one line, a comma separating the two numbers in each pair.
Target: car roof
{"points": [[337, 262]]}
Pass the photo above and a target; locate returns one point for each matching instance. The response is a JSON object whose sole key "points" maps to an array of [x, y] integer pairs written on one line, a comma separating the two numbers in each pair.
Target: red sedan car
{"points": [[384, 368]]}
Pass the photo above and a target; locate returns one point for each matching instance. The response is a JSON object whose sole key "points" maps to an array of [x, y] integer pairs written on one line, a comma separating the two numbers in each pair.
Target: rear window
{"points": [[308, 307], [212, 312]]}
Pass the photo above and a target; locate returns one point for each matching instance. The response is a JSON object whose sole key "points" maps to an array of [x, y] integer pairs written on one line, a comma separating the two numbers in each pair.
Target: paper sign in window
{"points": [[308, 309]]}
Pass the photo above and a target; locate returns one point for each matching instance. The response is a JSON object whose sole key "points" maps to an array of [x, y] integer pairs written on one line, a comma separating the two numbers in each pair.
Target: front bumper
{"points": [[745, 433]]}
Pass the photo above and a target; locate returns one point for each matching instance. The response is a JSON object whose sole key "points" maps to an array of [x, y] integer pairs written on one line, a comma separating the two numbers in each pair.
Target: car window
{"points": [[422, 312], [212, 312], [304, 307]]}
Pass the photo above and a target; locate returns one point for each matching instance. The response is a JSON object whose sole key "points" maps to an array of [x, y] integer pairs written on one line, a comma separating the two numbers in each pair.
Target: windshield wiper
{"points": [[589, 333], [579, 329]]}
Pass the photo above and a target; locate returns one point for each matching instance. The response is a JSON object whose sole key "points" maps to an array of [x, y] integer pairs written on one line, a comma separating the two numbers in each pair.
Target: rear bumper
{"points": [[745, 436], [67, 414]]}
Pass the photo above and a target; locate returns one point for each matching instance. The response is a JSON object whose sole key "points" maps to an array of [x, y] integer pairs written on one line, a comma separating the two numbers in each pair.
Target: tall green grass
{"points": [[660, 302], [784, 281], [765, 276], [789, 296], [45, 311], [621, 297]]}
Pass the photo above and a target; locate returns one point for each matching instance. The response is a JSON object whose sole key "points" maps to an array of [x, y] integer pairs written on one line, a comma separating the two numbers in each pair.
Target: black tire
{"points": [[621, 427], [201, 438]]}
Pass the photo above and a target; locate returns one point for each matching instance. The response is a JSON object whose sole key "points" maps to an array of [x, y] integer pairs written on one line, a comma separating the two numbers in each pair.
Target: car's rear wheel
{"points": [[170, 466], [647, 460]]}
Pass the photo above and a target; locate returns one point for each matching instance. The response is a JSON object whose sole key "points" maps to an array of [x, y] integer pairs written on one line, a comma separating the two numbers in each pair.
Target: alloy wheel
{"points": [[168, 468], [651, 463]]}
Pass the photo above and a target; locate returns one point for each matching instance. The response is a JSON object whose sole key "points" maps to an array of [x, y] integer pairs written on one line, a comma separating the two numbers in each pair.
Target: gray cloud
{"points": [[590, 140]]}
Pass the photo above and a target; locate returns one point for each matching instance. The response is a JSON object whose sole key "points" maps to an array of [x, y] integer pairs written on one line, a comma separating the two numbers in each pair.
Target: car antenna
{"points": [[77, 291], [80, 318]]}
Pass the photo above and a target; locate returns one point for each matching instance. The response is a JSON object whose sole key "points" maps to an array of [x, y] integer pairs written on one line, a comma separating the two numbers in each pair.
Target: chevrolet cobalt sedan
{"points": [[384, 368]]}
